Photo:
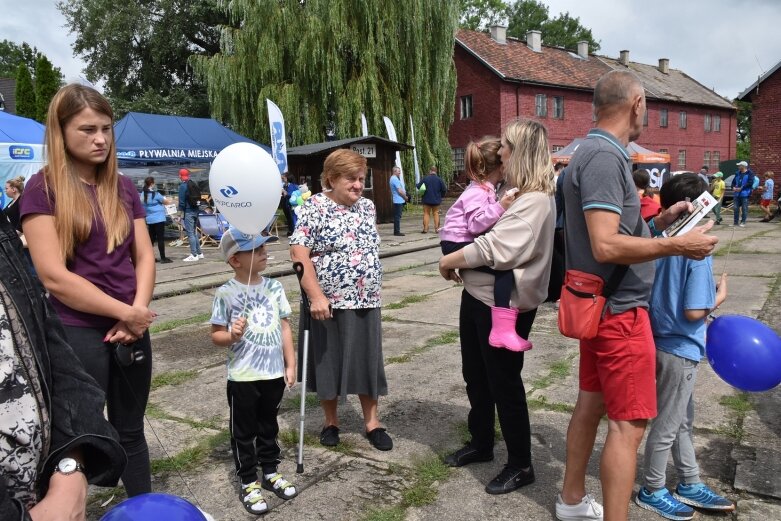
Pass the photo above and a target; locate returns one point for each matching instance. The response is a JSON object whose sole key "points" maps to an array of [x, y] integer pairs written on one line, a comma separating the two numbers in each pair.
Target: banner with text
{"points": [[392, 136], [278, 143]]}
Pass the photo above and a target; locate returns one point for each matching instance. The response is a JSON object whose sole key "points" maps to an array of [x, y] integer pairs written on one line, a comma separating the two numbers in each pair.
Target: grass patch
{"points": [[739, 403], [462, 429], [173, 324], [311, 400], [396, 513], [407, 267], [448, 337], [190, 458], [406, 301], [96, 499], [558, 370], [399, 359], [155, 411], [542, 404], [737, 246], [290, 438], [172, 378]]}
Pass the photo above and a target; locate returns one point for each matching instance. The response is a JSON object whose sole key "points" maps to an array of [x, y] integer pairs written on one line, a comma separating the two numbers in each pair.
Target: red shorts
{"points": [[764, 203], [620, 363]]}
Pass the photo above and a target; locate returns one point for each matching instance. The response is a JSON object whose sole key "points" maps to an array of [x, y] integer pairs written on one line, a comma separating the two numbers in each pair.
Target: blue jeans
{"points": [[397, 209], [740, 205], [192, 236]]}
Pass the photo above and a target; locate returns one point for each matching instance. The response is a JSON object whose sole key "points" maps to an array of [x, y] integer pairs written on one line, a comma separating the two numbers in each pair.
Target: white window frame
{"points": [[663, 117], [682, 158], [558, 107], [682, 119], [541, 105], [707, 122], [466, 107], [716, 123]]}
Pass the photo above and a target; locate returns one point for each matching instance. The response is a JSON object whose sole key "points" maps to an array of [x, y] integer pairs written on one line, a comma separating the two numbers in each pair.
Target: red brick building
{"points": [[500, 79], [765, 98]]}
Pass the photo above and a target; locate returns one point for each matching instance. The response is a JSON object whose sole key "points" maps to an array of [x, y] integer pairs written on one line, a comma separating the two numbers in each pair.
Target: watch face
{"points": [[66, 465]]}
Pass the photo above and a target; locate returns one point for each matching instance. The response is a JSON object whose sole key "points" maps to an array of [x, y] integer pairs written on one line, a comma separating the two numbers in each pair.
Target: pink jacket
{"points": [[473, 214]]}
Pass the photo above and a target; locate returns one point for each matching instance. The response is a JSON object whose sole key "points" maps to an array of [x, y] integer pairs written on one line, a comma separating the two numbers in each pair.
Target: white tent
{"points": [[21, 147]]}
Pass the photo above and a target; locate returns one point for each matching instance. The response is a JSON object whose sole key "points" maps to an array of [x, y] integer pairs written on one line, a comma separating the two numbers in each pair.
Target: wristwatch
{"points": [[68, 466]]}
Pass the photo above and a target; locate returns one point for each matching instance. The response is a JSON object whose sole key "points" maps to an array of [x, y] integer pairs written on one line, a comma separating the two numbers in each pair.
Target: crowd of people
{"points": [[88, 279]]}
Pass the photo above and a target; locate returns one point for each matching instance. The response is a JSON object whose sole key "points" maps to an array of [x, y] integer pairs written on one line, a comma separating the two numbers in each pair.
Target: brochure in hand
{"points": [[686, 221]]}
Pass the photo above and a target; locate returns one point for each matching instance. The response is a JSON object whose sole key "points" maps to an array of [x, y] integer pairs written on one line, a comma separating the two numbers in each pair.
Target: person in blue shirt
{"points": [[154, 204], [767, 196], [400, 198], [433, 193], [682, 298], [742, 186], [288, 187]]}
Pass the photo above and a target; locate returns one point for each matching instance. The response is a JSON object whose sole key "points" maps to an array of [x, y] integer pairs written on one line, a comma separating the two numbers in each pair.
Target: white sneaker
{"points": [[191, 258], [200, 255], [742, 225], [587, 510]]}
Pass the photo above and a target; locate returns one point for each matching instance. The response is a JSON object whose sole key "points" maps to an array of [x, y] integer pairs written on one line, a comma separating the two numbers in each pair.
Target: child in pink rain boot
{"points": [[473, 214]]}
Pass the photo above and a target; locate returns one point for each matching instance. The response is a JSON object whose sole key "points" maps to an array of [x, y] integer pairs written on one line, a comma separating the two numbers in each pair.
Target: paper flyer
{"points": [[686, 221]]}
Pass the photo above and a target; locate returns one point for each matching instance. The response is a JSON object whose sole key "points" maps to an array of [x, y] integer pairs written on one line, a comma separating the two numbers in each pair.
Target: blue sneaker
{"points": [[663, 504], [701, 496]]}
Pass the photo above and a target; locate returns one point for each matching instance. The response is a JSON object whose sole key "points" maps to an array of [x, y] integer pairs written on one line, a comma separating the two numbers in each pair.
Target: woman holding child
{"points": [[521, 241], [337, 242], [87, 235]]}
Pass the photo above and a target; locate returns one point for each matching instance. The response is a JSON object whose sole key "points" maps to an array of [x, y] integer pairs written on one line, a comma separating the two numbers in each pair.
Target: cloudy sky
{"points": [[723, 44]]}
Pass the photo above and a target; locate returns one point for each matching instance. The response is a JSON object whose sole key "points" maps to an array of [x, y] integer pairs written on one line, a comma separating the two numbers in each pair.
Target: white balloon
{"points": [[245, 185]]}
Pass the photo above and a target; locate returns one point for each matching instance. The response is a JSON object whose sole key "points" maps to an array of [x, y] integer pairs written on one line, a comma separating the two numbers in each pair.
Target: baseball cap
{"points": [[184, 173], [233, 241], [718, 174], [742, 163]]}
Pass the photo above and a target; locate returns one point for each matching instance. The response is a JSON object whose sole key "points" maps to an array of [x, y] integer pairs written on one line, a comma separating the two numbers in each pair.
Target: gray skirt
{"points": [[345, 354]]}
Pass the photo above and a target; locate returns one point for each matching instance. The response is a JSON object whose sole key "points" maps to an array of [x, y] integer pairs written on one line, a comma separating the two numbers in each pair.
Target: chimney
{"points": [[624, 59], [583, 49], [664, 65], [499, 33], [534, 41]]}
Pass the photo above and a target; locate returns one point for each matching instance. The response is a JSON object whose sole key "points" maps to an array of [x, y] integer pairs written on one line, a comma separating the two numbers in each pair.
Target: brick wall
{"points": [[766, 128]]}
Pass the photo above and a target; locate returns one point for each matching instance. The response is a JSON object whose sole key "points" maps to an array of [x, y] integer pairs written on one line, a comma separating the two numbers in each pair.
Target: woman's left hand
{"points": [[449, 274], [66, 499], [120, 333]]}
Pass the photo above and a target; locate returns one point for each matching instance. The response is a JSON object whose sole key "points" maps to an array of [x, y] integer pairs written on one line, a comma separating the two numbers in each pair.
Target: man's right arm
{"points": [[610, 246]]}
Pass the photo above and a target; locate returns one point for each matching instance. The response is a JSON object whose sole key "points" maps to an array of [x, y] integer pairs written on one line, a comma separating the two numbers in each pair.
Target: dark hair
{"points": [[148, 182], [642, 178], [558, 166], [704, 167], [681, 187]]}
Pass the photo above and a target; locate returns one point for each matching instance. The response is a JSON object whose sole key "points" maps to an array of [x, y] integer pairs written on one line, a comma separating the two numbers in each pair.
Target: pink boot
{"points": [[503, 330]]}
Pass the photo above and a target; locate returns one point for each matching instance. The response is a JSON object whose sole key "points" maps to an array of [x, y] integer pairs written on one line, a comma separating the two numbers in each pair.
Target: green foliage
{"points": [[743, 129], [12, 54], [327, 61], [25, 92], [562, 31], [47, 83], [141, 50], [478, 15]]}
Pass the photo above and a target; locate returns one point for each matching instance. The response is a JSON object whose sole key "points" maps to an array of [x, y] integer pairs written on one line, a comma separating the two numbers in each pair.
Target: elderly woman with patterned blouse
{"points": [[336, 240]]}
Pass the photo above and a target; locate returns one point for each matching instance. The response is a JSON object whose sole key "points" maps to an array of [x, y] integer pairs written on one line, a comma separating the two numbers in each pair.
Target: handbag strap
{"points": [[620, 270]]}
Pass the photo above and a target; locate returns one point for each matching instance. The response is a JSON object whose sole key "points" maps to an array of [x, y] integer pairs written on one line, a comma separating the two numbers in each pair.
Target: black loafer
{"points": [[380, 439], [329, 436], [510, 479], [466, 455]]}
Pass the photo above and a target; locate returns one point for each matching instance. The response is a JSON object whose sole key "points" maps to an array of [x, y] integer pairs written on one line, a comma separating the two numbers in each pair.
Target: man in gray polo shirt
{"points": [[603, 229]]}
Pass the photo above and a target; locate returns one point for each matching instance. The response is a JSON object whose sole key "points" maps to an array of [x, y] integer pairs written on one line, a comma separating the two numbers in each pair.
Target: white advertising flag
{"points": [[392, 136], [278, 145], [414, 151], [364, 126]]}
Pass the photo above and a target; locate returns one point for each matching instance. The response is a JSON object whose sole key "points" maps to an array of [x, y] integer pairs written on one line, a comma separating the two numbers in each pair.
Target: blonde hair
{"points": [[769, 174], [482, 158], [529, 168], [17, 183], [340, 163], [75, 210]]}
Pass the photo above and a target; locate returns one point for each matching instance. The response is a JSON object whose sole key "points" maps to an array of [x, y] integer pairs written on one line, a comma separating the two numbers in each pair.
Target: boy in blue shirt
{"points": [[682, 297], [250, 317]]}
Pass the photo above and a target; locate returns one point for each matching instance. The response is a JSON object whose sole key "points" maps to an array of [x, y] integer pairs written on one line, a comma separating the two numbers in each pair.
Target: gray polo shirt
{"points": [[599, 177]]}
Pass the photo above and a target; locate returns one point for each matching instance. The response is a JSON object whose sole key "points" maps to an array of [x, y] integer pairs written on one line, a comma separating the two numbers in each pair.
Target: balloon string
{"points": [[729, 249], [249, 278]]}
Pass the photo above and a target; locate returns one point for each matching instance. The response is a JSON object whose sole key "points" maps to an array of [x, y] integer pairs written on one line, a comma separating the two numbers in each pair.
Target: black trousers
{"points": [[127, 391], [254, 427], [157, 233], [493, 382]]}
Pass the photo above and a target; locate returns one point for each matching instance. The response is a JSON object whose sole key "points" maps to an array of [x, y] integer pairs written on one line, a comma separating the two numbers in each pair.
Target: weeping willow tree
{"points": [[327, 61]]}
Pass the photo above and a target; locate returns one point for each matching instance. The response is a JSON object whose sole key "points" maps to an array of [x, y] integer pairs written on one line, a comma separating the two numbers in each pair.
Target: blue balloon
{"points": [[744, 352], [154, 507]]}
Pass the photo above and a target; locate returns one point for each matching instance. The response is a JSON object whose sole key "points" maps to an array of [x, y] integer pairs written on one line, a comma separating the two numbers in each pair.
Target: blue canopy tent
{"points": [[21, 147], [158, 139]]}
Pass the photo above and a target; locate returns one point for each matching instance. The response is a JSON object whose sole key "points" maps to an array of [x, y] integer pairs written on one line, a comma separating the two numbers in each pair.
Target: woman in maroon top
{"points": [[87, 235]]}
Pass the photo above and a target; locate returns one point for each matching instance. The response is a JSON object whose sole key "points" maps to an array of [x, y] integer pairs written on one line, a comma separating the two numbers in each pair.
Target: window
{"points": [[717, 123], [707, 122], [645, 118], [558, 107], [556, 148], [662, 150], [662, 117], [541, 105], [458, 159], [466, 107], [368, 183], [682, 120], [682, 159], [706, 159], [715, 159]]}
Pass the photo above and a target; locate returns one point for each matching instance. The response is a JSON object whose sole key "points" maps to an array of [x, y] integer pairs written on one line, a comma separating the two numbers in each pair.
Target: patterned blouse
{"points": [[345, 250]]}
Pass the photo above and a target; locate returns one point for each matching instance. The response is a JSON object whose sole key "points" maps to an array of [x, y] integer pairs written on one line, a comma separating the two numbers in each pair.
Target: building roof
{"points": [[555, 66], [746, 94], [315, 149], [8, 92]]}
